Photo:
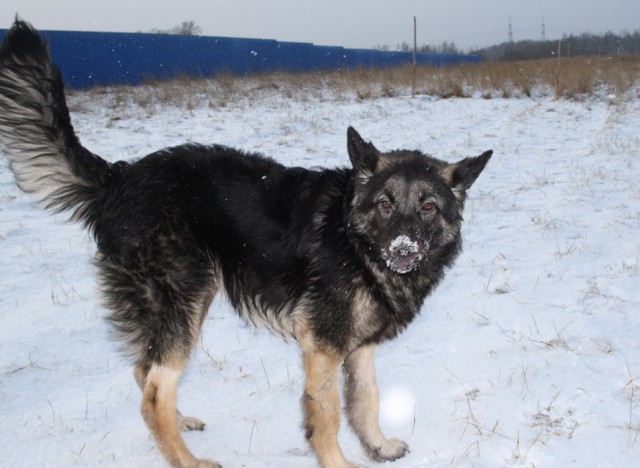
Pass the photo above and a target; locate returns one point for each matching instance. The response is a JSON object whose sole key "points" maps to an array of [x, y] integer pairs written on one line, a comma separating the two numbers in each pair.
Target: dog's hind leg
{"points": [[160, 316], [158, 409], [159, 381], [185, 423], [321, 405], [362, 406]]}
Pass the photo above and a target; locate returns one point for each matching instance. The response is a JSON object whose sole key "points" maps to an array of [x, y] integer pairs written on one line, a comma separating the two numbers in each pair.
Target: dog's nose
{"points": [[403, 254]]}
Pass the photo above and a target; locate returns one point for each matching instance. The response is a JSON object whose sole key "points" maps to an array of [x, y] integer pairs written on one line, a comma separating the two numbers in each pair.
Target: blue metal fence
{"points": [[101, 58]]}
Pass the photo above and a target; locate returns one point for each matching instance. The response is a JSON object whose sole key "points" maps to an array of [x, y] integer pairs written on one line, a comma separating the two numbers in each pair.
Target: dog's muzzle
{"points": [[403, 254]]}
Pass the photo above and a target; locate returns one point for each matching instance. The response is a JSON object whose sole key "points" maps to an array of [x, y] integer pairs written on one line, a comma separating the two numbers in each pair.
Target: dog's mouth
{"points": [[403, 254]]}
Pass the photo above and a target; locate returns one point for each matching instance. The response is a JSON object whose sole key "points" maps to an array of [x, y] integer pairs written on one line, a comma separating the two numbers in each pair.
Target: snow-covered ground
{"points": [[528, 354]]}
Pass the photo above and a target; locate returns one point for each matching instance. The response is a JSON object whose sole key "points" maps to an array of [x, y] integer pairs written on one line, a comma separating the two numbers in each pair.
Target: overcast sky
{"points": [[349, 23]]}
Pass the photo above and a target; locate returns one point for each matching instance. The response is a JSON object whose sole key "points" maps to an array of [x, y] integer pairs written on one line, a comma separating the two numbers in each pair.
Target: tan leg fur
{"points": [[321, 404], [362, 405], [185, 423], [159, 411]]}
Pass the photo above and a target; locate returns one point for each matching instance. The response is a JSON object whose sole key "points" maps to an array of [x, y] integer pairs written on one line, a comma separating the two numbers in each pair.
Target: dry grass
{"points": [[569, 78]]}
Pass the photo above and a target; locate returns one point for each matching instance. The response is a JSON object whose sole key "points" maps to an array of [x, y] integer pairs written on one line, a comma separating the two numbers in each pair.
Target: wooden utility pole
{"points": [[415, 49], [558, 78]]}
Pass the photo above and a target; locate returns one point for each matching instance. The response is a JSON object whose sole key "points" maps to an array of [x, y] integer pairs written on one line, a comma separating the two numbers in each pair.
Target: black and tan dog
{"points": [[338, 259]]}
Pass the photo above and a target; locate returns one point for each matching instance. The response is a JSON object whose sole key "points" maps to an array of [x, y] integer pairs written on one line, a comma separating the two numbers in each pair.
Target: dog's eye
{"points": [[385, 205], [428, 206]]}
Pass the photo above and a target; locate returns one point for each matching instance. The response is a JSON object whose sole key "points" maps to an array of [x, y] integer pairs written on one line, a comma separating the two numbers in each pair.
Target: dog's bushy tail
{"points": [[44, 153]]}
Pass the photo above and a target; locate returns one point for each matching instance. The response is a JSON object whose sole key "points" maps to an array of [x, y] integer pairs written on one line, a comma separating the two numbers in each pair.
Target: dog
{"points": [[339, 260]]}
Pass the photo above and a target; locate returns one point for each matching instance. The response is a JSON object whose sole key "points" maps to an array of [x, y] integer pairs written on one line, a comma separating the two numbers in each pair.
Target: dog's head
{"points": [[405, 204]]}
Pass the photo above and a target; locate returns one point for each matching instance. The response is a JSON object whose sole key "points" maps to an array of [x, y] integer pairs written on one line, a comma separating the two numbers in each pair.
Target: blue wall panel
{"points": [[99, 58]]}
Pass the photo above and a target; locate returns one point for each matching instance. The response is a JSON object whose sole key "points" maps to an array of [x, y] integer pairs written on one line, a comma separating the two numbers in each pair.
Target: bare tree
{"points": [[187, 28]]}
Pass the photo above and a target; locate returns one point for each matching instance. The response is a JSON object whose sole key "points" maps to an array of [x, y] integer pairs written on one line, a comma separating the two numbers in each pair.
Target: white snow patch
{"points": [[404, 245], [526, 354]]}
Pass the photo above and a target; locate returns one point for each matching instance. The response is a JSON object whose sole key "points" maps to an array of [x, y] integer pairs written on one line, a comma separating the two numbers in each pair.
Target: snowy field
{"points": [[528, 354]]}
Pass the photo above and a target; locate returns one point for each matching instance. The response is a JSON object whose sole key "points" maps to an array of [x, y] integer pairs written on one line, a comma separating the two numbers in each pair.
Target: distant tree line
{"points": [[573, 45], [445, 48], [187, 28]]}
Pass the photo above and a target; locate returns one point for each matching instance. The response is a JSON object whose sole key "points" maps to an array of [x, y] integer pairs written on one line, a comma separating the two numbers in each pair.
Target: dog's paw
{"points": [[187, 423], [390, 450], [204, 463]]}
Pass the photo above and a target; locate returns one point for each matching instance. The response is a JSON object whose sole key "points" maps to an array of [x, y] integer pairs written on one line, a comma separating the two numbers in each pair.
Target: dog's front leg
{"points": [[362, 405], [321, 405]]}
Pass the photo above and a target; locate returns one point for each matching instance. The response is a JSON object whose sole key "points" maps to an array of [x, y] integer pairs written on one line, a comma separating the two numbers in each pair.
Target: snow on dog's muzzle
{"points": [[403, 254]]}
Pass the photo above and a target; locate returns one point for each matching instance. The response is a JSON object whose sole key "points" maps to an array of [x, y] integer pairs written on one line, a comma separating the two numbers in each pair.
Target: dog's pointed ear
{"points": [[461, 175], [363, 155]]}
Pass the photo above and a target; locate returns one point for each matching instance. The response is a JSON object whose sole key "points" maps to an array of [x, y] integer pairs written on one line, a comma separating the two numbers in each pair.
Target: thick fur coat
{"points": [[337, 259]]}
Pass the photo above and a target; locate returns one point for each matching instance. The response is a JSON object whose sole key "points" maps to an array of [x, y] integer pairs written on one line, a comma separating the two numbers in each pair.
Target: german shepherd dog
{"points": [[337, 259]]}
